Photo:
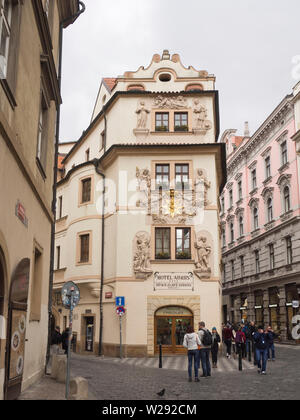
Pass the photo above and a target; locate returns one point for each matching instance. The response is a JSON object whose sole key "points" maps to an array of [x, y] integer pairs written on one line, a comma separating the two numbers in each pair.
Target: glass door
{"points": [[164, 332], [180, 327]]}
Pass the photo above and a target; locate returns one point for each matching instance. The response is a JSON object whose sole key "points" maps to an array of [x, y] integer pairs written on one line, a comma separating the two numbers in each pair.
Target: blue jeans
{"points": [[193, 354], [272, 348], [204, 356], [261, 356]]}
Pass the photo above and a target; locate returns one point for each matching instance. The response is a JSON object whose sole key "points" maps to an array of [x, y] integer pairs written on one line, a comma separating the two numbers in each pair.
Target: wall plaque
{"points": [[173, 281]]}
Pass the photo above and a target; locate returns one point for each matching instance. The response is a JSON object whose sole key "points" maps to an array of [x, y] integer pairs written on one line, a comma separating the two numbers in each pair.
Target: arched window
{"points": [[241, 224], [270, 209], [255, 218], [286, 198]]}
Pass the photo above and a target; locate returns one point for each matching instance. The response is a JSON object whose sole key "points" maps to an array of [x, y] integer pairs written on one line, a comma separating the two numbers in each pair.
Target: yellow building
{"points": [[152, 147], [30, 33]]}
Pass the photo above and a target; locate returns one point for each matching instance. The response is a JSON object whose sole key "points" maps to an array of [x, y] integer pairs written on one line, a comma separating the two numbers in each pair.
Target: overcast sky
{"points": [[248, 45]]}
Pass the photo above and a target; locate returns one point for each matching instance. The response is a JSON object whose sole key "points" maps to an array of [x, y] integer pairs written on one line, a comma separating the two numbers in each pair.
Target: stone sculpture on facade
{"points": [[143, 177], [141, 255], [202, 186], [203, 252], [202, 125], [142, 117], [171, 103]]}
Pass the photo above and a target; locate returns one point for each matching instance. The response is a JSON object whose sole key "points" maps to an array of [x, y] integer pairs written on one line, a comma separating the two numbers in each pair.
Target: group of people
{"points": [[239, 337], [58, 339]]}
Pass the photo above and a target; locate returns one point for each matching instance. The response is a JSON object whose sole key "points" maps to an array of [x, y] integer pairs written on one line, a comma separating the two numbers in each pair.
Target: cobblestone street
{"points": [[111, 381]]}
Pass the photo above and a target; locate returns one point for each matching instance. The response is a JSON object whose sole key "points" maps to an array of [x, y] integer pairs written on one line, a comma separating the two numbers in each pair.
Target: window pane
{"points": [[86, 190]]}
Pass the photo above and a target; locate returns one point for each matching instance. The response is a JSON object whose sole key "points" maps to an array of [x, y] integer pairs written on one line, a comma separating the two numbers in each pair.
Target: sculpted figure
{"points": [[203, 251], [200, 114], [141, 259], [142, 115], [202, 182]]}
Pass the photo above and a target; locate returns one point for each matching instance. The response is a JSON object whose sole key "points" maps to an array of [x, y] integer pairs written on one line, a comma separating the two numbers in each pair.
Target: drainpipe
{"points": [[102, 260], [55, 170]]}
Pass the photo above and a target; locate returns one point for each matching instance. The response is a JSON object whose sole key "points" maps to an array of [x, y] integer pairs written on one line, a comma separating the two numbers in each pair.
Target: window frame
{"points": [[180, 114], [158, 128], [162, 185], [79, 261], [284, 153], [271, 256], [268, 167], [163, 230], [257, 261], [289, 250], [183, 249]]}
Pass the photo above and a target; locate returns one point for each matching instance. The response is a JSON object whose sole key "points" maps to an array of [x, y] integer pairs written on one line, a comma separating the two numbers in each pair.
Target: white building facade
{"points": [[151, 160]]}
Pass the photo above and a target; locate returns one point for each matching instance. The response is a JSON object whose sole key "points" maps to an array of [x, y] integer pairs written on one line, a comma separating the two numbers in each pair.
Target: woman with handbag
{"points": [[215, 347]]}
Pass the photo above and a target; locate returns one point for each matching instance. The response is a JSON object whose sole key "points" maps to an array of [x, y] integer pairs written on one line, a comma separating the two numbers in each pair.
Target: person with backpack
{"points": [[261, 349], [215, 347], [240, 341], [205, 338], [191, 342]]}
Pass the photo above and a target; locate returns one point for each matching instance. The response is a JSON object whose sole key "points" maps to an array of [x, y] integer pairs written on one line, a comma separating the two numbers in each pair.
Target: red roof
{"points": [[110, 82]]}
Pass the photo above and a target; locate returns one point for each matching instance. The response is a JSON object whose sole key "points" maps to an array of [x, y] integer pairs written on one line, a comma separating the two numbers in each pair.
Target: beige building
{"points": [[151, 146], [29, 98]]}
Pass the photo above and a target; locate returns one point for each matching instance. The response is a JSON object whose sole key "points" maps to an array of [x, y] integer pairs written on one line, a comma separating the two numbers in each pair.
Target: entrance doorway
{"points": [[16, 330], [171, 323], [89, 333]]}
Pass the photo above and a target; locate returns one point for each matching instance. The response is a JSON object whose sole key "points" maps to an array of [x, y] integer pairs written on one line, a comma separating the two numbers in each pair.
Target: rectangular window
{"points": [[230, 198], [271, 256], [268, 167], [5, 34], [183, 243], [162, 243], [289, 250], [240, 190], [87, 155], [253, 176], [284, 158], [162, 176], [162, 121], [84, 248], [242, 264], [181, 121], [42, 134], [257, 264], [57, 257], [182, 176], [86, 190], [232, 270]]}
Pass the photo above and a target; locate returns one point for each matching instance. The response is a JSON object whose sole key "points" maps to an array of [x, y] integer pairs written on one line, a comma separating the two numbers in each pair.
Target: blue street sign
{"points": [[120, 301]]}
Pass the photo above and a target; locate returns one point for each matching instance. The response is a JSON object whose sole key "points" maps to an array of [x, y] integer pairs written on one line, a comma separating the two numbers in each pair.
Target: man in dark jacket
{"points": [[261, 349], [65, 340]]}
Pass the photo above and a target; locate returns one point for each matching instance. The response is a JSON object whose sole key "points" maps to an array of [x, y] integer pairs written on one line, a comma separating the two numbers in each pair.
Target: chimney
{"points": [[246, 131]]}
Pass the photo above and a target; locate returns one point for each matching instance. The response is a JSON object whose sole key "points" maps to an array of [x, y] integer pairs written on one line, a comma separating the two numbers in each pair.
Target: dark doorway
{"points": [[16, 330]]}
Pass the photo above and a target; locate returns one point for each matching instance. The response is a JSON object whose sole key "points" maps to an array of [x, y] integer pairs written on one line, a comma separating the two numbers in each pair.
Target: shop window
{"points": [[183, 243], [162, 243], [292, 295], [259, 308], [181, 121], [274, 309], [162, 176], [161, 121]]}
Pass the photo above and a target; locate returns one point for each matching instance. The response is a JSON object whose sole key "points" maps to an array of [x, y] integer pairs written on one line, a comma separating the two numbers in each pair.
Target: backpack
{"points": [[207, 338]]}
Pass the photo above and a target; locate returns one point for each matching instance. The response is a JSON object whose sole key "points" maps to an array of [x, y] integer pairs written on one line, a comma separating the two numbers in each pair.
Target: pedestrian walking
{"points": [[270, 339], [65, 340], [215, 347], [191, 342], [205, 338], [261, 349], [240, 341], [246, 331], [228, 337]]}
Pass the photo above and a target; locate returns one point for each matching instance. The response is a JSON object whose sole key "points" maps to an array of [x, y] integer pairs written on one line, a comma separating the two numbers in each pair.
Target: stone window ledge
{"points": [[283, 167], [254, 191]]}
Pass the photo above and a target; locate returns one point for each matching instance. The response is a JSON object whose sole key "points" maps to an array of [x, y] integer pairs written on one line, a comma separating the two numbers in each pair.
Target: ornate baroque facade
{"points": [[260, 222], [153, 137]]}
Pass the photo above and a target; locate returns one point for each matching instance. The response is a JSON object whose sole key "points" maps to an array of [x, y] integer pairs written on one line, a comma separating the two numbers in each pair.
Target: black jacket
{"points": [[215, 344], [56, 337]]}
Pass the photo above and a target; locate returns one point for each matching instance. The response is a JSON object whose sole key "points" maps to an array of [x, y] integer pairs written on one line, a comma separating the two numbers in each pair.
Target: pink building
{"points": [[260, 222]]}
